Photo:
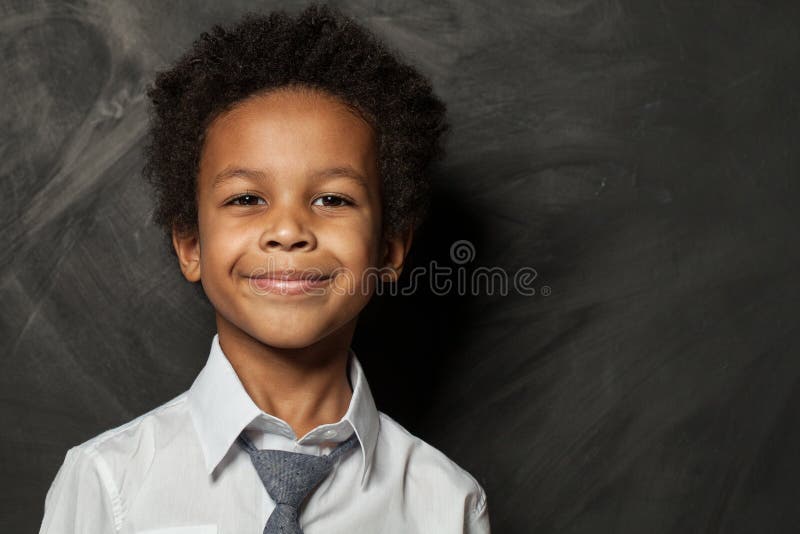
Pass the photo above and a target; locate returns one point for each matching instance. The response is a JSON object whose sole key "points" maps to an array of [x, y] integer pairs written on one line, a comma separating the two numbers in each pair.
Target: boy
{"points": [[289, 158]]}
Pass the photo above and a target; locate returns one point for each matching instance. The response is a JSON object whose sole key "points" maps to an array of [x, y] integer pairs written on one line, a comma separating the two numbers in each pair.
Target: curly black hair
{"points": [[319, 49]]}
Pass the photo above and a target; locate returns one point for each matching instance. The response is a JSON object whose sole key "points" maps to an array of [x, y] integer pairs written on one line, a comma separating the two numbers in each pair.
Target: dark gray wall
{"points": [[641, 155]]}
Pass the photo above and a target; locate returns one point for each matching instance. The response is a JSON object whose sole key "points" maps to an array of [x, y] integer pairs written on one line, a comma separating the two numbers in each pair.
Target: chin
{"points": [[284, 339], [285, 342]]}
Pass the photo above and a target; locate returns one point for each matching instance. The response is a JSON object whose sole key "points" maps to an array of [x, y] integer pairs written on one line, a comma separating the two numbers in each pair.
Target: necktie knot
{"points": [[289, 477]]}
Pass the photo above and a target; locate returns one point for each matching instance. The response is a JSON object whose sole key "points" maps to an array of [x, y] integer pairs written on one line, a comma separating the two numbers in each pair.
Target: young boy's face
{"points": [[308, 168]]}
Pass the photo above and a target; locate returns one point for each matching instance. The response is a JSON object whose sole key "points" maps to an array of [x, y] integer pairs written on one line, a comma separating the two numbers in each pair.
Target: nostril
{"points": [[298, 244]]}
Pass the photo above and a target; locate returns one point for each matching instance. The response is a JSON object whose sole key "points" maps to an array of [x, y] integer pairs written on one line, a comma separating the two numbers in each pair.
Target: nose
{"points": [[287, 229]]}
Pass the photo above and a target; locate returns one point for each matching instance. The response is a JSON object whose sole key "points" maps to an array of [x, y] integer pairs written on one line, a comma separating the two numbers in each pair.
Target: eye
{"points": [[333, 201], [247, 200]]}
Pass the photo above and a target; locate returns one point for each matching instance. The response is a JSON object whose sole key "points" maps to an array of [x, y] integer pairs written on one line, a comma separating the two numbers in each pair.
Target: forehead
{"points": [[289, 130]]}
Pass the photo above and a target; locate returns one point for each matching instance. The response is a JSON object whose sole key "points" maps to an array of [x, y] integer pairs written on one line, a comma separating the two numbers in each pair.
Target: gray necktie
{"points": [[289, 477]]}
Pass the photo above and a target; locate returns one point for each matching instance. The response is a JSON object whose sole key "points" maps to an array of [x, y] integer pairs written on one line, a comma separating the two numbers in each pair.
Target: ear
{"points": [[187, 247], [394, 256]]}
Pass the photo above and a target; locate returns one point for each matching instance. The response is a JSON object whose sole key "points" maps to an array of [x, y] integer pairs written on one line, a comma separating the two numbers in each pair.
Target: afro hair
{"points": [[319, 49]]}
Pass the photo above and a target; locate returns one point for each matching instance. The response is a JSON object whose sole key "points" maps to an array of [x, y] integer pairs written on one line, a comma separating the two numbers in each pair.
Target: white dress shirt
{"points": [[178, 469]]}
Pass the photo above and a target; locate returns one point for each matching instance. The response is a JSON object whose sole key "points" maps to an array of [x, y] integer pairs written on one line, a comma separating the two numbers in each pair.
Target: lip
{"points": [[293, 284], [290, 274]]}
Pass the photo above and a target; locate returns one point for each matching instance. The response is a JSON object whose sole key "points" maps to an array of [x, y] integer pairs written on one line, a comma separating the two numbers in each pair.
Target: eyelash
{"points": [[345, 201]]}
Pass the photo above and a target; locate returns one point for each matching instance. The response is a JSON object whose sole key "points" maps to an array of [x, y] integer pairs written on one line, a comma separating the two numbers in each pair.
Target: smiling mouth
{"points": [[289, 284], [292, 277]]}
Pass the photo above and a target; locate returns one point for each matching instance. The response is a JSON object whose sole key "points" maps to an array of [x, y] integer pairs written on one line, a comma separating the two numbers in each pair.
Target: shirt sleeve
{"points": [[478, 522], [81, 498]]}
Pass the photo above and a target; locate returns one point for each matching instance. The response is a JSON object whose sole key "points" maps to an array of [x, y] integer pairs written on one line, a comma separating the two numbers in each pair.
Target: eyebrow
{"points": [[345, 171]]}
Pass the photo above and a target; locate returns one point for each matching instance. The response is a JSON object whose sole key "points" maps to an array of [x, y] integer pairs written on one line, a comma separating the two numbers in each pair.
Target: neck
{"points": [[306, 387]]}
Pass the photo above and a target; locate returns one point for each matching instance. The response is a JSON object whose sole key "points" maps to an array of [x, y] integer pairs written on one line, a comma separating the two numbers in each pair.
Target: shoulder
{"points": [[89, 487], [160, 422], [427, 470], [120, 452]]}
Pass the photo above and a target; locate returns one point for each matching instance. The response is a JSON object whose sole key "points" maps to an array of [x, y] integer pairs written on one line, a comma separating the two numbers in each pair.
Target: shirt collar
{"points": [[221, 408]]}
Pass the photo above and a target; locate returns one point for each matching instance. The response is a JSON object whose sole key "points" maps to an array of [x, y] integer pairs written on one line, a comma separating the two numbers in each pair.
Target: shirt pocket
{"points": [[191, 529]]}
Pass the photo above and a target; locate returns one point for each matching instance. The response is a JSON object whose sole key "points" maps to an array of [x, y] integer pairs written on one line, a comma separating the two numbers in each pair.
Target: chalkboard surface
{"points": [[637, 158]]}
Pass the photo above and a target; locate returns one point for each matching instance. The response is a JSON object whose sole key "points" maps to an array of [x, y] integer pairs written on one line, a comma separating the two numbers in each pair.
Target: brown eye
{"points": [[333, 201], [245, 200]]}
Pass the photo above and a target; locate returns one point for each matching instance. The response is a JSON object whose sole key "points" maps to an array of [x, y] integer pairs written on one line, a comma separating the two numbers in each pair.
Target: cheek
{"points": [[219, 245], [357, 255], [354, 248]]}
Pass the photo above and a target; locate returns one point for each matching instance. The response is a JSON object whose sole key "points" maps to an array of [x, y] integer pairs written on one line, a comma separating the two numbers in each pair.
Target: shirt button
{"points": [[329, 433]]}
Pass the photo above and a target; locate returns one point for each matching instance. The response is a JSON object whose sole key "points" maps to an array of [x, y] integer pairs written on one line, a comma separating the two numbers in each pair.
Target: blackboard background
{"points": [[641, 155]]}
